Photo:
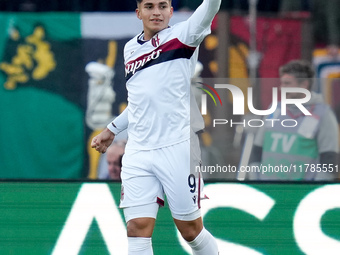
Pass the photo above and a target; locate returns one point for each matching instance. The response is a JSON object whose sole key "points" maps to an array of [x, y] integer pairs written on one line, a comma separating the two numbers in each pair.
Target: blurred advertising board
{"points": [[246, 218]]}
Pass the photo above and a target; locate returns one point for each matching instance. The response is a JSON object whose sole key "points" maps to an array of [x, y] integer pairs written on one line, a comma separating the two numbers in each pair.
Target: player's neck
{"points": [[148, 35]]}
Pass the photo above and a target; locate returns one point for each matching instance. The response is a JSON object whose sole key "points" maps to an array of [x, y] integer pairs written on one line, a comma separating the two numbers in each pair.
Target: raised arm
{"points": [[197, 27], [205, 13]]}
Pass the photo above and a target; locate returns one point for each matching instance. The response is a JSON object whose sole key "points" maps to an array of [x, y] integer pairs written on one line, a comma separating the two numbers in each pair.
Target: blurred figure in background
{"points": [[100, 98], [100, 95], [308, 150], [113, 156], [325, 20]]}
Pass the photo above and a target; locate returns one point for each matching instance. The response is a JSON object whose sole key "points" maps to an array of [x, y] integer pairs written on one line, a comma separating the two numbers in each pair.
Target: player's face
{"points": [[290, 81], [155, 15]]}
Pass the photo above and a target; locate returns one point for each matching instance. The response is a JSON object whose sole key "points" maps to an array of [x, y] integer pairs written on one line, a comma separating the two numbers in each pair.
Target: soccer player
{"points": [[162, 148]]}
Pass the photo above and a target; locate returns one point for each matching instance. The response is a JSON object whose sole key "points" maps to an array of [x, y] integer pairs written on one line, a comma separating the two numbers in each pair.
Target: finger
{"points": [[100, 148], [104, 148], [94, 142]]}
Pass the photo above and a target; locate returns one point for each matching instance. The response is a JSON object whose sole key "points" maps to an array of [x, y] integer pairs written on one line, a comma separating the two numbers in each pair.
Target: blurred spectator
{"points": [[100, 96], [325, 18], [308, 150], [114, 155]]}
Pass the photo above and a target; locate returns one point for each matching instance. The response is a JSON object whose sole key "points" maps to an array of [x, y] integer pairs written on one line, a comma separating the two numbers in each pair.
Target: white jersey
{"points": [[158, 74]]}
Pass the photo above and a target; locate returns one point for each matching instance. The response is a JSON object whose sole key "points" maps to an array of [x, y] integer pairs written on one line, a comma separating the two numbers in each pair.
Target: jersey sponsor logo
{"points": [[171, 50], [134, 66]]}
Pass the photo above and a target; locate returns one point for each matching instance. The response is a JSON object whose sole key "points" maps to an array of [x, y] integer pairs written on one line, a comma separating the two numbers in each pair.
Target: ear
{"points": [[171, 11], [138, 13]]}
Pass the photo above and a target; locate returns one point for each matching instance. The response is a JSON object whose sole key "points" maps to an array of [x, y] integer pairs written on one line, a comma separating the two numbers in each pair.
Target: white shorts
{"points": [[148, 174]]}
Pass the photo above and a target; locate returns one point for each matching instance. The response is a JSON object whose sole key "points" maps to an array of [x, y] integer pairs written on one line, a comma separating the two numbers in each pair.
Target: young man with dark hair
{"points": [[162, 149], [301, 70], [309, 148]]}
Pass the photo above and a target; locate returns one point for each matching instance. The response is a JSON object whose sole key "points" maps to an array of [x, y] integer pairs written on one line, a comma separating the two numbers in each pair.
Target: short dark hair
{"points": [[300, 69], [139, 1]]}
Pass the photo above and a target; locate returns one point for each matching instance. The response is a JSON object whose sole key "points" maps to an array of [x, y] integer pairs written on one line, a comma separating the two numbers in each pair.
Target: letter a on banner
{"points": [[94, 201]]}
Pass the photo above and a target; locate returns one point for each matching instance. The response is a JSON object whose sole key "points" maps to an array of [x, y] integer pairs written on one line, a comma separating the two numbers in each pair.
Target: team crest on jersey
{"points": [[155, 41]]}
